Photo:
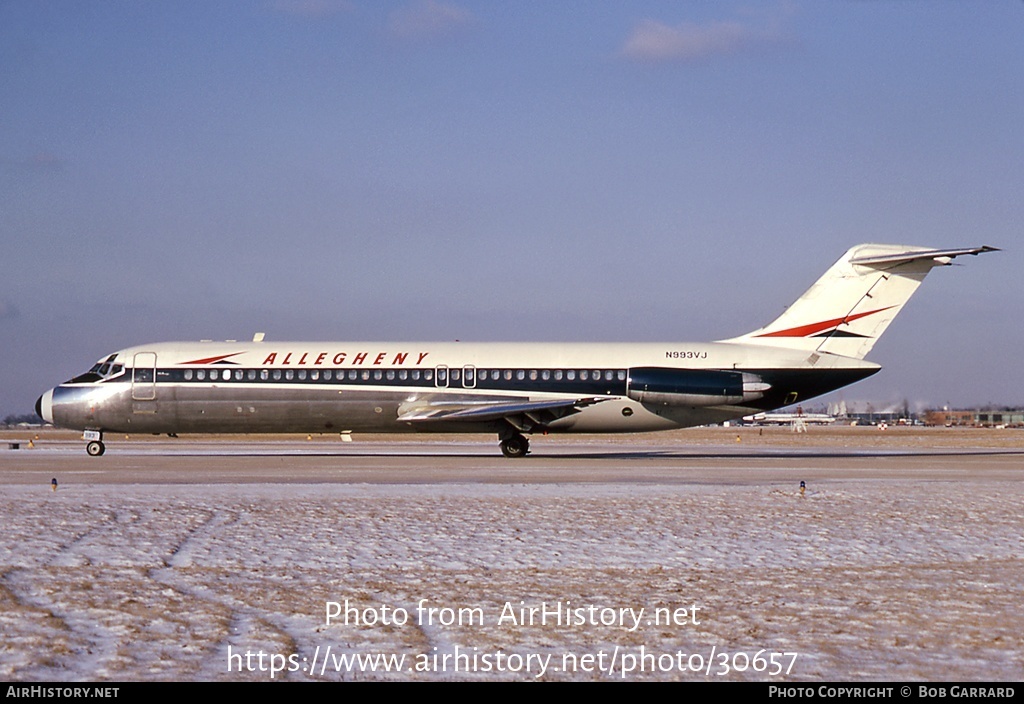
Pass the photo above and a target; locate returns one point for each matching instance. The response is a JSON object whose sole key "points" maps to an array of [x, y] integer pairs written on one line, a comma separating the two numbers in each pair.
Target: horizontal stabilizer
{"points": [[939, 256]]}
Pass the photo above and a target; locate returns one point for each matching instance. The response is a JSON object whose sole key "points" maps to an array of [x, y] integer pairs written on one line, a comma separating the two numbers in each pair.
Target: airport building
{"points": [[1004, 418], [839, 414]]}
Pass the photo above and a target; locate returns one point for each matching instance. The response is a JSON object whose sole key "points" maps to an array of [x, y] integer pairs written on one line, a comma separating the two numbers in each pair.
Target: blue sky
{"points": [[341, 169]]}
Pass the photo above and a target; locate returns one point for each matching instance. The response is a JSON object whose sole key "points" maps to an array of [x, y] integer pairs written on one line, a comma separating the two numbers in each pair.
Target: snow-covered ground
{"points": [[855, 580]]}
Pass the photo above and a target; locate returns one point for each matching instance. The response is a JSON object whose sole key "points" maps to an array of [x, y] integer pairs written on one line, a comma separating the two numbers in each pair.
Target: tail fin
{"points": [[852, 304]]}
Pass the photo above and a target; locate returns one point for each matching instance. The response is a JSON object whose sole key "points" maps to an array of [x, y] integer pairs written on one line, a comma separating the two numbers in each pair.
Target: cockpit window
{"points": [[87, 378], [103, 369]]}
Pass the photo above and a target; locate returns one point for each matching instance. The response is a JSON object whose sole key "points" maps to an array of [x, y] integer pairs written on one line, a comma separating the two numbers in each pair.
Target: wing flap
{"points": [[522, 413]]}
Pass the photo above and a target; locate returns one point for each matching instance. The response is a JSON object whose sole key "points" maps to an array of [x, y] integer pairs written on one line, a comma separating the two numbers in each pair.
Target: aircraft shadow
{"points": [[681, 454]]}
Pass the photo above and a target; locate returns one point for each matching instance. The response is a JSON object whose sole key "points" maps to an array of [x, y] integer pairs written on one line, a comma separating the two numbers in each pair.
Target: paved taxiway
{"points": [[903, 559], [715, 456]]}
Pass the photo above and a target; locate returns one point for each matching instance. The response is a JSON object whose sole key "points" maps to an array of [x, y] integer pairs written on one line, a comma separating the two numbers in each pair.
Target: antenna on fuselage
{"points": [[258, 337]]}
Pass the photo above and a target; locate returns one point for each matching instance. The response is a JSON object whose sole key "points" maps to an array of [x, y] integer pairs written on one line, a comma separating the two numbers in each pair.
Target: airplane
{"points": [[510, 389]]}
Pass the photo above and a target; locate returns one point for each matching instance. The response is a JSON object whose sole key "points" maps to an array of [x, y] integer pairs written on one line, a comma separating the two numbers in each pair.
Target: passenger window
{"points": [[188, 375], [277, 375], [264, 375], [200, 374]]}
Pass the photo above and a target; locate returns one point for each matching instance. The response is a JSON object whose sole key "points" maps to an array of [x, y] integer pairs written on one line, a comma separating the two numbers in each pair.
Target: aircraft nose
{"points": [[44, 406]]}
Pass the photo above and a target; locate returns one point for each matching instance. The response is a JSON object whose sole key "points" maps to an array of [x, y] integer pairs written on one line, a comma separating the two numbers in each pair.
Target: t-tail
{"points": [[852, 304]]}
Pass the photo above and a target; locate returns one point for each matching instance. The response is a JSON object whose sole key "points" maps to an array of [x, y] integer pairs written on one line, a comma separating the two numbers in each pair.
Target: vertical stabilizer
{"points": [[852, 304]]}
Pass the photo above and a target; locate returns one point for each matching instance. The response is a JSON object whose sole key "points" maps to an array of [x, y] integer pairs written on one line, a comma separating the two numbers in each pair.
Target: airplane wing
{"points": [[523, 415]]}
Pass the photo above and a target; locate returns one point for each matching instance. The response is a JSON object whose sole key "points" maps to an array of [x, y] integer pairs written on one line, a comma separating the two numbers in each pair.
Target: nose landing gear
{"points": [[94, 447]]}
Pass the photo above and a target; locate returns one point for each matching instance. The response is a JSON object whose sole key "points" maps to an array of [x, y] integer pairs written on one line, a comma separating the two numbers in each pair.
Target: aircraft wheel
{"points": [[515, 446], [95, 448]]}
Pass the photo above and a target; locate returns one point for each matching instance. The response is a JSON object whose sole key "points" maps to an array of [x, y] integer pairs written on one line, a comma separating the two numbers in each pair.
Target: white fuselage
{"points": [[216, 387]]}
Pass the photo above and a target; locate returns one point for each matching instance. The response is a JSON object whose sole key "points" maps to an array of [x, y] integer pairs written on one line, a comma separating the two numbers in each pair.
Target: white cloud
{"points": [[655, 41], [311, 8], [428, 18]]}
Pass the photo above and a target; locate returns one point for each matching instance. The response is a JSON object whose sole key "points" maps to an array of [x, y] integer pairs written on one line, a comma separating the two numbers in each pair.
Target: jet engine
{"points": [[693, 387]]}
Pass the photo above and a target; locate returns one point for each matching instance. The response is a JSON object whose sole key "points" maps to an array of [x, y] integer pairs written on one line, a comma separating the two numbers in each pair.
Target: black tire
{"points": [[515, 446], [95, 448]]}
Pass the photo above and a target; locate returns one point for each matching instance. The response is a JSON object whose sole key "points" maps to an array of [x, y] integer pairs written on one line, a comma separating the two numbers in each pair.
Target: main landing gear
{"points": [[515, 445]]}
